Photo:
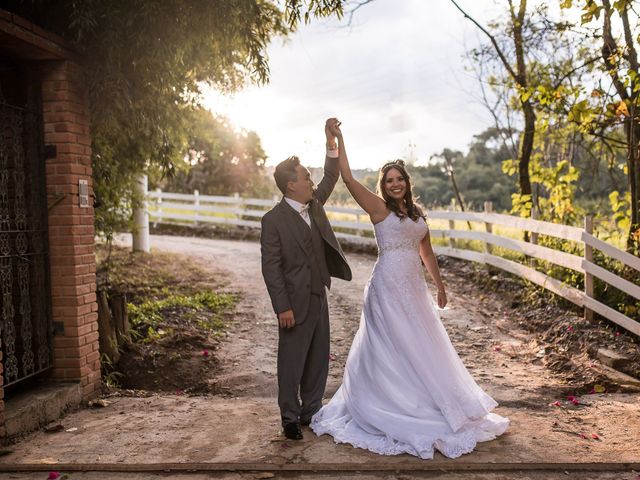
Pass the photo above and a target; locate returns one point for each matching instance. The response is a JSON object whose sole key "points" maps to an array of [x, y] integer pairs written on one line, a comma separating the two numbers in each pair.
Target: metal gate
{"points": [[25, 323]]}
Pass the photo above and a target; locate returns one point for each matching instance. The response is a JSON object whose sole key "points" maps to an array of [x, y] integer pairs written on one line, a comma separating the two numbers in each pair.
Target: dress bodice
{"points": [[400, 235]]}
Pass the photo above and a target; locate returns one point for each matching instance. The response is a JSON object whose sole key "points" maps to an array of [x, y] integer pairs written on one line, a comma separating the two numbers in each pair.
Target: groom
{"points": [[300, 254]]}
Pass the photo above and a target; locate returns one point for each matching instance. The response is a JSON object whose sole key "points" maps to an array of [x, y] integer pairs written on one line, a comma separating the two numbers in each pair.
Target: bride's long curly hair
{"points": [[413, 210]]}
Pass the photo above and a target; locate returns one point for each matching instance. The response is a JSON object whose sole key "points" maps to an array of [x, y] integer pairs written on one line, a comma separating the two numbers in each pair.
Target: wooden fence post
{"points": [[588, 256], [196, 205], [534, 216], [141, 218], [452, 241], [238, 204], [359, 232], [488, 226], [158, 213]]}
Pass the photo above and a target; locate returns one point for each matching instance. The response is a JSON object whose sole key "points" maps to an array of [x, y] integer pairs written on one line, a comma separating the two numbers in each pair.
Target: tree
{"points": [[615, 105], [478, 175], [145, 62], [518, 72], [448, 158], [220, 160]]}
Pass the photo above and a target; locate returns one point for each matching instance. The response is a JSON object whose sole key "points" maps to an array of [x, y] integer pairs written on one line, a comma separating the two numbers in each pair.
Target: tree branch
{"points": [[574, 70], [493, 40], [496, 120], [632, 56], [352, 12], [609, 48]]}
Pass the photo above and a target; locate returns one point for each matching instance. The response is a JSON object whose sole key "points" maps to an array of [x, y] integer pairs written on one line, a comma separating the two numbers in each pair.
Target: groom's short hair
{"points": [[286, 172]]}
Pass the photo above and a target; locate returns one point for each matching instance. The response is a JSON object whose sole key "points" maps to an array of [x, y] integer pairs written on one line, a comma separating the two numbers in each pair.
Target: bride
{"points": [[405, 390]]}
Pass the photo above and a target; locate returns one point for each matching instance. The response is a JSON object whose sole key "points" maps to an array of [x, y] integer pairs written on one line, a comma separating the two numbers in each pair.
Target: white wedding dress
{"points": [[405, 390]]}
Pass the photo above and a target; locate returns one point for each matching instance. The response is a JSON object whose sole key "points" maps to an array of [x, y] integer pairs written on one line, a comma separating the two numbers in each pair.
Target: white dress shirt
{"points": [[301, 208]]}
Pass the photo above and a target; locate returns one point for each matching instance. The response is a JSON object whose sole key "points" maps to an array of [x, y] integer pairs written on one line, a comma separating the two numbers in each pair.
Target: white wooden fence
{"points": [[353, 224]]}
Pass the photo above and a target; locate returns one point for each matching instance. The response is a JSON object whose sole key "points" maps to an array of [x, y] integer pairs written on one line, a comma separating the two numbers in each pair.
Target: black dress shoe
{"points": [[292, 431]]}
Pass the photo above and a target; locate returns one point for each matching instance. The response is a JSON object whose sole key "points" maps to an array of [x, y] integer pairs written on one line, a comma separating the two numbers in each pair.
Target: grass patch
{"points": [[148, 317], [177, 309]]}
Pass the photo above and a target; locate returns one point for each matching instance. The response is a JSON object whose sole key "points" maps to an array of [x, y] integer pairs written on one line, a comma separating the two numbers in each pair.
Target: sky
{"points": [[396, 78]]}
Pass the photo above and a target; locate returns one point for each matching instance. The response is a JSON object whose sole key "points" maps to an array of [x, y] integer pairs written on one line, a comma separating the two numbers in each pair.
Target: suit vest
{"points": [[314, 244]]}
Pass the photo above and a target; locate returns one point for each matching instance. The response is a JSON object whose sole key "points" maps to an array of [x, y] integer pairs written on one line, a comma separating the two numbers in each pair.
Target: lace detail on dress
{"points": [[410, 245], [405, 389], [345, 429]]}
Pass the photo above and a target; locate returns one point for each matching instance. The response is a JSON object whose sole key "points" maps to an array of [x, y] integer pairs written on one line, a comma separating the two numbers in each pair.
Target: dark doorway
{"points": [[25, 320]]}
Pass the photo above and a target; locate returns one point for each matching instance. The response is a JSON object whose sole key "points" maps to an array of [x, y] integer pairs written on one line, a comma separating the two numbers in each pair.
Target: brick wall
{"points": [[71, 230], [2, 431]]}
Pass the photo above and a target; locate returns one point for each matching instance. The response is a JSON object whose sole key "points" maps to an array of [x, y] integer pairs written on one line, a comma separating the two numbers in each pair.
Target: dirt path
{"points": [[241, 425]]}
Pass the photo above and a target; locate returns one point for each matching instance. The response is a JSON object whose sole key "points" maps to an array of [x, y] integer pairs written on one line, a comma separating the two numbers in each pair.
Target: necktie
{"points": [[304, 212]]}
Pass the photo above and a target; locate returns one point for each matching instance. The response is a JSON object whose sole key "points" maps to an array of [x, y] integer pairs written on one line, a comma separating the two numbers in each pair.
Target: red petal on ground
{"points": [[556, 403], [595, 436], [53, 475], [582, 435]]}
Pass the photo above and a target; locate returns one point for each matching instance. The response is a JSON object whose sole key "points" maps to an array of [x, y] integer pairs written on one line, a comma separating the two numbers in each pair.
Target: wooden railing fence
{"points": [[353, 224]]}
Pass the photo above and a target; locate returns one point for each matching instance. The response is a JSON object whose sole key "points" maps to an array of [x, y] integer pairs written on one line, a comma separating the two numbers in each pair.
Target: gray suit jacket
{"points": [[285, 259]]}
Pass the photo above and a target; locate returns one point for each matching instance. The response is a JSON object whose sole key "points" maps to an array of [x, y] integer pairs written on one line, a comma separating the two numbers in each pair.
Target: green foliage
{"points": [[579, 142], [559, 182], [521, 205], [621, 208], [145, 62], [609, 110], [314, 8], [219, 160], [611, 296], [147, 317], [555, 185], [110, 376], [590, 11]]}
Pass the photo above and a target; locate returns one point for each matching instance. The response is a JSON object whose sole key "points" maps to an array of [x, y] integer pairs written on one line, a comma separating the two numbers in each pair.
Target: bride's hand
{"points": [[332, 127], [442, 298], [336, 128]]}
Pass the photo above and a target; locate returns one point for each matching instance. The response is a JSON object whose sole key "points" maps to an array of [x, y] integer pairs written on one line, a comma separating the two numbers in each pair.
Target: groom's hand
{"points": [[330, 131], [286, 319]]}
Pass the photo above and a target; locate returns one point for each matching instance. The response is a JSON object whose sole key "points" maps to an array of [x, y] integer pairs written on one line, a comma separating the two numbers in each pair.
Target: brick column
{"points": [[71, 230], [2, 429]]}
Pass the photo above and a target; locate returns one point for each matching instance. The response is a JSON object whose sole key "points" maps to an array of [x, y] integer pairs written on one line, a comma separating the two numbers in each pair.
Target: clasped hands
{"points": [[332, 131]]}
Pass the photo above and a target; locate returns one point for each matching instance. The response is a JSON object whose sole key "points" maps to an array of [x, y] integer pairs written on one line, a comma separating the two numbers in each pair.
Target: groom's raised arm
{"points": [[329, 179], [272, 266], [331, 167]]}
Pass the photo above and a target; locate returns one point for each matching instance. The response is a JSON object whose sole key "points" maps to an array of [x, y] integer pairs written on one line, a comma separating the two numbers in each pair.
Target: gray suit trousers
{"points": [[303, 363]]}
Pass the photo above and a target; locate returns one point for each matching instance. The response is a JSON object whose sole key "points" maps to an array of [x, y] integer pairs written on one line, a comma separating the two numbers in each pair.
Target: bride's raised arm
{"points": [[368, 201]]}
